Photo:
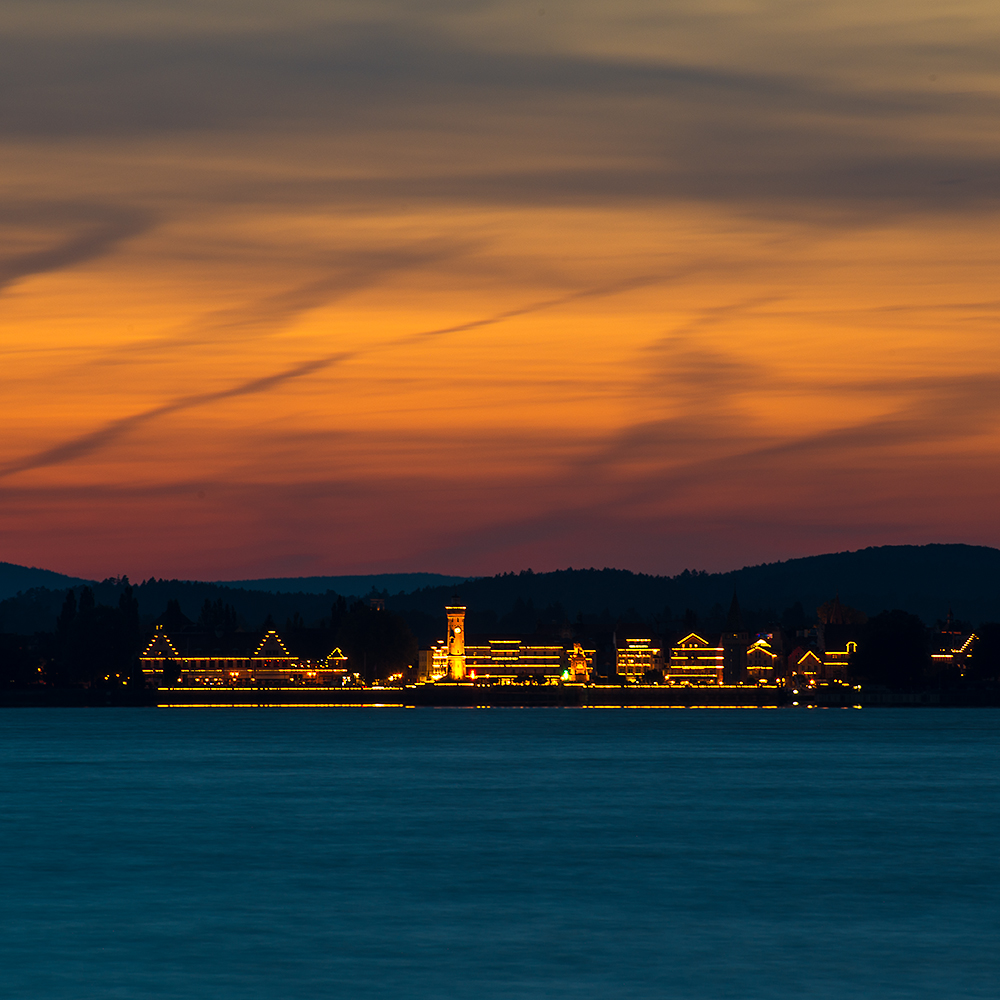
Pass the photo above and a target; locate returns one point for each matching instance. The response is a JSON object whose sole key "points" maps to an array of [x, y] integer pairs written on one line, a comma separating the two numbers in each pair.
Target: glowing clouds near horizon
{"points": [[327, 288]]}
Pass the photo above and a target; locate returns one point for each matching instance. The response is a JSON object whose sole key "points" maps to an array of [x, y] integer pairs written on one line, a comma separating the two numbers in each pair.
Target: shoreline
{"points": [[457, 695]]}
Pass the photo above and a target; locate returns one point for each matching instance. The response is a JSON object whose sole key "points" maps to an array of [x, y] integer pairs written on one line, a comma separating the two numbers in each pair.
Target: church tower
{"points": [[456, 642]]}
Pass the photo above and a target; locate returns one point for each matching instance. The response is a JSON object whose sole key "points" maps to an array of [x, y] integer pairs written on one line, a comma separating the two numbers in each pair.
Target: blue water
{"points": [[345, 853]]}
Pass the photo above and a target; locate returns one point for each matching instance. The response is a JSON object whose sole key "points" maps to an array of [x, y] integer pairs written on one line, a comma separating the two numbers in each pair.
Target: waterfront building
{"points": [[762, 661], [456, 642], [954, 650], [248, 661], [637, 658], [805, 664], [837, 662], [580, 663], [694, 660], [432, 663], [500, 659], [514, 658]]}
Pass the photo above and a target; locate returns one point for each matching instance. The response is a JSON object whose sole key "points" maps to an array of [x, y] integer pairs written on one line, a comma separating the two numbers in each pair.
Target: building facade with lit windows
{"points": [[763, 663], [837, 662], [638, 657], [955, 651], [695, 660], [806, 665], [266, 661], [501, 659]]}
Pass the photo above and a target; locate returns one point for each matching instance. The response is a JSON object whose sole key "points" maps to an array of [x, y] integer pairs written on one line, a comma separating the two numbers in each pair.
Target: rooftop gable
{"points": [[271, 646], [692, 640]]}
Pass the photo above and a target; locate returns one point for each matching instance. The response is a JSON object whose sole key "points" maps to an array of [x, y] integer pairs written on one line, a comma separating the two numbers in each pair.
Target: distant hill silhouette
{"points": [[363, 584], [36, 610], [14, 579], [926, 580]]}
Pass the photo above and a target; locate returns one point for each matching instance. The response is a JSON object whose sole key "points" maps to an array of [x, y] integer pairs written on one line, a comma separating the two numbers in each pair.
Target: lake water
{"points": [[290, 853]]}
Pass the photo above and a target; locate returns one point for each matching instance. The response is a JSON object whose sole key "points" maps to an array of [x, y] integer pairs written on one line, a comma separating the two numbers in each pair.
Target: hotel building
{"points": [[694, 660], [266, 662], [500, 659], [637, 658]]}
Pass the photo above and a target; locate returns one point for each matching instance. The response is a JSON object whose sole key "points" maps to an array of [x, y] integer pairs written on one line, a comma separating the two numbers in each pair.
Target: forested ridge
{"points": [[925, 580]]}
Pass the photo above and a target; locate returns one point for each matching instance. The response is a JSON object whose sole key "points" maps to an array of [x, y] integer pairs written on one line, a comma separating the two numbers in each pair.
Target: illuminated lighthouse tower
{"points": [[456, 642]]}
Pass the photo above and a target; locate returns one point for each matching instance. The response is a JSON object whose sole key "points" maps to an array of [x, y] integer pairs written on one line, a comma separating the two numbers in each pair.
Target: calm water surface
{"points": [[486, 854]]}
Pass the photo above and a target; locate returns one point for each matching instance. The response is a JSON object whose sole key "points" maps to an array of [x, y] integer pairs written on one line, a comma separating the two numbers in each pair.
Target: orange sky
{"points": [[310, 287]]}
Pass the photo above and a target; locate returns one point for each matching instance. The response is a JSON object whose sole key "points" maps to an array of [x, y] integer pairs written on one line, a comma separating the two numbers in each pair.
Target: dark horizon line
{"points": [[458, 577]]}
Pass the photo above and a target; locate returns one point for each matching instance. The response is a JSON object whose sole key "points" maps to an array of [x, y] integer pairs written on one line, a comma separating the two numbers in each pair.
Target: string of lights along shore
{"points": [[730, 666]]}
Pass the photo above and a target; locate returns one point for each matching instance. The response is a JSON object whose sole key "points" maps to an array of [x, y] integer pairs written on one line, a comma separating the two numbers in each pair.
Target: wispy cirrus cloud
{"points": [[594, 271], [86, 444], [94, 230]]}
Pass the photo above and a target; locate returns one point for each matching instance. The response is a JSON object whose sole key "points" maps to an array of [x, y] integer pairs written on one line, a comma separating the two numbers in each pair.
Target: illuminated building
{"points": [[693, 660], [456, 642], [514, 659], [432, 664], [580, 662], [637, 658], [805, 664], [500, 659], [762, 661], [954, 650], [268, 663], [837, 662]]}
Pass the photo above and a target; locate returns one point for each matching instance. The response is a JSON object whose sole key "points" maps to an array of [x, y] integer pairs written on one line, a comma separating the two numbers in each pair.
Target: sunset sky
{"points": [[303, 287]]}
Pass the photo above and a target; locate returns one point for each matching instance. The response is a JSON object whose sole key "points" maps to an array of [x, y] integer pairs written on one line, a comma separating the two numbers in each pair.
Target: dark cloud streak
{"points": [[87, 444], [350, 271], [677, 131], [92, 240], [94, 441], [588, 293]]}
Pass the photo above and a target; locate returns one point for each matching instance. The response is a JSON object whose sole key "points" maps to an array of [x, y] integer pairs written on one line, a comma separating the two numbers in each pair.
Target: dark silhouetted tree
{"points": [[522, 617], [338, 612], [985, 663], [893, 649], [171, 673], [377, 642], [218, 617], [716, 618], [66, 616], [173, 619], [22, 660], [794, 618], [97, 646], [131, 638]]}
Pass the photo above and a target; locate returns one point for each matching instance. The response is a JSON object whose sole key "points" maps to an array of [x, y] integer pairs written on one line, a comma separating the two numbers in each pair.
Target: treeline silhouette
{"points": [[93, 646], [378, 643], [91, 633], [894, 650], [926, 580], [97, 646]]}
